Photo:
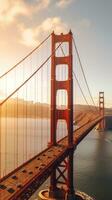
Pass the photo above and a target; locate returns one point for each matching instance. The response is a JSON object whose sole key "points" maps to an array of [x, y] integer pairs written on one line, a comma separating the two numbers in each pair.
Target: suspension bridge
{"points": [[46, 109]]}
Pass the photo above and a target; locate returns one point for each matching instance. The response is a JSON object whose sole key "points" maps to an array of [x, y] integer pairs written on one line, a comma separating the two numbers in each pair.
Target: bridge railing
{"points": [[25, 122], [25, 106], [25, 109]]}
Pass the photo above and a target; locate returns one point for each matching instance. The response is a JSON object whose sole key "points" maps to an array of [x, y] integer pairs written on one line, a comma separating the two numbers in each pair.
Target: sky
{"points": [[24, 23]]}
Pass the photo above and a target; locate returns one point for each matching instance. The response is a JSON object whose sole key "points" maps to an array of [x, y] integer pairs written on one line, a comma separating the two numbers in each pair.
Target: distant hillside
{"points": [[21, 108]]}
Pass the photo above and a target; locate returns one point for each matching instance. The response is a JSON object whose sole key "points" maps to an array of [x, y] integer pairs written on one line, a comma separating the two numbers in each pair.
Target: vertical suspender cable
{"points": [[6, 152], [84, 73], [17, 131], [26, 127]]}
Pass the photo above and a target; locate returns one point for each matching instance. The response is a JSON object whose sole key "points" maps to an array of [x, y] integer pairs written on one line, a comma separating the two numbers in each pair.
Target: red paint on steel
{"points": [[42, 166], [67, 114], [101, 110]]}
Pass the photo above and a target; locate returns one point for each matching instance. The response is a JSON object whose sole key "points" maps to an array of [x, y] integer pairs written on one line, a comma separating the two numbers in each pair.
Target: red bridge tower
{"points": [[65, 169], [101, 110]]}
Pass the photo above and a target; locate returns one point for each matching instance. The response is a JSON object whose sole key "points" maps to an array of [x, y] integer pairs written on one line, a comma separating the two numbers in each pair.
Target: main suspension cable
{"points": [[81, 90], [25, 56], [77, 82], [31, 75], [83, 73]]}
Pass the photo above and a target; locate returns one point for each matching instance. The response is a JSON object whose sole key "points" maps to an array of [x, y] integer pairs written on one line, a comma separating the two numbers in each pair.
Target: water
{"points": [[93, 165], [22, 139], [92, 158]]}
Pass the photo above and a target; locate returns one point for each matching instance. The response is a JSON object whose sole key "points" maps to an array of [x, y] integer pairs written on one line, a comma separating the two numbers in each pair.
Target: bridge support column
{"points": [[70, 193], [101, 126], [63, 174]]}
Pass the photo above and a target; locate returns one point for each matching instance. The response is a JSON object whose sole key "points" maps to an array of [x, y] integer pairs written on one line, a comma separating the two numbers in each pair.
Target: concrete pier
{"points": [[44, 195]]}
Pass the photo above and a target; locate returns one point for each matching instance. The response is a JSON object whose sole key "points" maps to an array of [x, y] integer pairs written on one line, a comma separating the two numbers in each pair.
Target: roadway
{"points": [[26, 179]]}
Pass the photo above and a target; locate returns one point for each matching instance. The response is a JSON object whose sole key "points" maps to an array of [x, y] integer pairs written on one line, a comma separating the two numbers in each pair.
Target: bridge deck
{"points": [[22, 182]]}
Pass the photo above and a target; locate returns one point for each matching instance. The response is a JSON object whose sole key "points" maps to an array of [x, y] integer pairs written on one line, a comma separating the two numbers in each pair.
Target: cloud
{"points": [[11, 9], [32, 36], [28, 37], [64, 3], [54, 23]]}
